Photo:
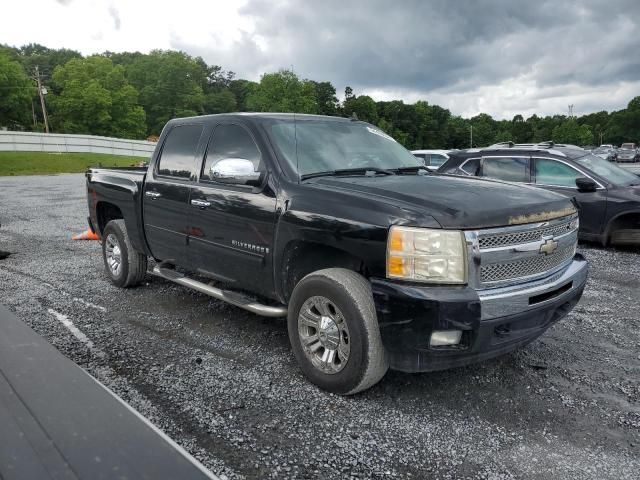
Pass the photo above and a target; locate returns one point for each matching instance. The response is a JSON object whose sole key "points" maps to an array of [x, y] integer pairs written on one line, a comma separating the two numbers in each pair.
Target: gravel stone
{"points": [[223, 382]]}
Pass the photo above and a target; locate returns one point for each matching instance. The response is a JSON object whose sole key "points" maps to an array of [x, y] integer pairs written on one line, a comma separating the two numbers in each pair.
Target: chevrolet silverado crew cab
{"points": [[375, 262]]}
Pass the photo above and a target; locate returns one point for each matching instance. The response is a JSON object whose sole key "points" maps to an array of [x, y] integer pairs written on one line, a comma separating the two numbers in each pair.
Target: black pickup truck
{"points": [[375, 262]]}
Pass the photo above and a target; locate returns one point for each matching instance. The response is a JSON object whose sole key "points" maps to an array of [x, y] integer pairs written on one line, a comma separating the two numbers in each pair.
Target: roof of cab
{"points": [[557, 151], [260, 116]]}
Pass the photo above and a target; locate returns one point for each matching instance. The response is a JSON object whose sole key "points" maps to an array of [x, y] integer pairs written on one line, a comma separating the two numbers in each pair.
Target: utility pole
{"points": [[471, 137], [44, 107]]}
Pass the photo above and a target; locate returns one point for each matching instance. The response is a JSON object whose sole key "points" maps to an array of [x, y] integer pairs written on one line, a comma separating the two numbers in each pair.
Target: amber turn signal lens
{"points": [[396, 265], [396, 238]]}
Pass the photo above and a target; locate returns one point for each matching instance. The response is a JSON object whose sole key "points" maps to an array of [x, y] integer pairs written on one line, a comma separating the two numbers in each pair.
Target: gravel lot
{"points": [[223, 383]]}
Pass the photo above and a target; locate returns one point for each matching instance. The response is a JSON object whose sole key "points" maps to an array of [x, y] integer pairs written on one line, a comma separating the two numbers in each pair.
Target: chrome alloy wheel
{"points": [[324, 334], [113, 254]]}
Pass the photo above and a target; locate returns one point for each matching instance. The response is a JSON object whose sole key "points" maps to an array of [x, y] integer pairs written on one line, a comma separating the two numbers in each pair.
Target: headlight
{"points": [[425, 255]]}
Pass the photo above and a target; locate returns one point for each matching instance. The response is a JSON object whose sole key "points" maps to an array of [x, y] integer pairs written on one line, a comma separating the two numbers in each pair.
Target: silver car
{"points": [[628, 152]]}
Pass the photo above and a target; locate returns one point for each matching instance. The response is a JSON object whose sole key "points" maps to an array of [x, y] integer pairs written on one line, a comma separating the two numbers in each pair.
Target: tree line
{"points": [[132, 95]]}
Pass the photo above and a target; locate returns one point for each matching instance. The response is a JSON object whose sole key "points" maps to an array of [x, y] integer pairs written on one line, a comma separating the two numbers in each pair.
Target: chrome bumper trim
{"points": [[511, 300]]}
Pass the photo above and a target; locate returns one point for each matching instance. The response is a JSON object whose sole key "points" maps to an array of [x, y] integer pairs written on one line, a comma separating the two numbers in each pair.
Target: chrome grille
{"points": [[527, 236], [520, 253], [526, 267]]}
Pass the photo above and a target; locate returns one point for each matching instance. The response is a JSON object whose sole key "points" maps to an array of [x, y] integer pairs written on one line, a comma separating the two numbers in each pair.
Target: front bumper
{"points": [[493, 321]]}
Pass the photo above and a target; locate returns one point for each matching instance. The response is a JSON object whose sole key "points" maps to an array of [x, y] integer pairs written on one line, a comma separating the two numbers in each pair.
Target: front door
{"points": [[561, 178], [166, 194], [231, 227]]}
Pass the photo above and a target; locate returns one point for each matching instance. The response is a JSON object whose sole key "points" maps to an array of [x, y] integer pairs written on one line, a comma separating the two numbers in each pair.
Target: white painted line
{"points": [[76, 332], [89, 304]]}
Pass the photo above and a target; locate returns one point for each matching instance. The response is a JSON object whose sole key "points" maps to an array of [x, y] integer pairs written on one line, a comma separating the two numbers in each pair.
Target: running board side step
{"points": [[234, 298]]}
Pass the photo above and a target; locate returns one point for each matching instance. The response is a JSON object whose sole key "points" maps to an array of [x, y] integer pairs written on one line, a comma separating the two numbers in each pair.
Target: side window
{"points": [[179, 150], [509, 169], [437, 160], [231, 141], [551, 172], [421, 156], [471, 167]]}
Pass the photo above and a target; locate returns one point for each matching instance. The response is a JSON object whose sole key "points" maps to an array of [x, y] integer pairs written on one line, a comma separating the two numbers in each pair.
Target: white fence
{"points": [[56, 142]]}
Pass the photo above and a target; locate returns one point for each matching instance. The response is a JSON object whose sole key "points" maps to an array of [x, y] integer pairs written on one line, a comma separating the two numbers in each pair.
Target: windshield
{"points": [[610, 172], [332, 145]]}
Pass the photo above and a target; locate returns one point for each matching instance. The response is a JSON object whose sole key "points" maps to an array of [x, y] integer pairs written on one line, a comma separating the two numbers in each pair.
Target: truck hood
{"points": [[457, 202]]}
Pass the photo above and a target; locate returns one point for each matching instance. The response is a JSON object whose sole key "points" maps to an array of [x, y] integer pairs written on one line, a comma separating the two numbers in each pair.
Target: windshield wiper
{"points": [[419, 169], [369, 171]]}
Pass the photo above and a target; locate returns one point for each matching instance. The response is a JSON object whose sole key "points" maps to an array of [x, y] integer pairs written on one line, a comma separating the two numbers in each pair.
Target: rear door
{"points": [[560, 177], [166, 194], [232, 226]]}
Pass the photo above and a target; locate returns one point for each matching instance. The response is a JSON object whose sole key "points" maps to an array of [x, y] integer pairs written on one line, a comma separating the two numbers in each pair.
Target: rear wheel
{"points": [[125, 267], [334, 331]]}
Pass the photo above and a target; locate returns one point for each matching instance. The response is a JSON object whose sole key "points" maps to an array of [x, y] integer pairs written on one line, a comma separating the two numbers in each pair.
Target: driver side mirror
{"points": [[586, 185], [235, 171]]}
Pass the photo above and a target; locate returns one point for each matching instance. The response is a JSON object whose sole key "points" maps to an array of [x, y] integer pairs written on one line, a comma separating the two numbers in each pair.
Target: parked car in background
{"points": [[628, 152], [606, 153], [333, 224], [608, 196], [433, 159]]}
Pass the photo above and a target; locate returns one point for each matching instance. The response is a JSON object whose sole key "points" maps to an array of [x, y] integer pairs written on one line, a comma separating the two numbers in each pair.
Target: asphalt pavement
{"points": [[224, 385]]}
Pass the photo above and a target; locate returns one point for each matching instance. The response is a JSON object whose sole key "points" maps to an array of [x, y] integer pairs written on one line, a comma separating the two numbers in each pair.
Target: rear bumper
{"points": [[493, 322]]}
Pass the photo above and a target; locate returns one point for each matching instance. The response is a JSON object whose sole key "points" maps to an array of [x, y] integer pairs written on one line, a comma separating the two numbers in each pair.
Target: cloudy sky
{"points": [[502, 57]]}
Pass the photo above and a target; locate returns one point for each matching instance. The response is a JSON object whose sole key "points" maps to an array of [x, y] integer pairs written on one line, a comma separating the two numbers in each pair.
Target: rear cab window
{"points": [[178, 154], [509, 169]]}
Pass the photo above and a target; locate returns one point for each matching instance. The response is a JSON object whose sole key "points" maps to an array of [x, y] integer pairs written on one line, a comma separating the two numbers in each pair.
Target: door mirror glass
{"points": [[236, 171], [586, 184]]}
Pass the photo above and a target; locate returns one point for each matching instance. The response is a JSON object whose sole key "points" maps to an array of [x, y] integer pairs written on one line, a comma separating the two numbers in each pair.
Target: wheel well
{"points": [[623, 222], [302, 258], [105, 213]]}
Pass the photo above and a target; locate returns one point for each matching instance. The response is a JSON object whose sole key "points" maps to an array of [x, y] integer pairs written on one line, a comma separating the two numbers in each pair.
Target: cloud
{"points": [[496, 56], [115, 15], [439, 48]]}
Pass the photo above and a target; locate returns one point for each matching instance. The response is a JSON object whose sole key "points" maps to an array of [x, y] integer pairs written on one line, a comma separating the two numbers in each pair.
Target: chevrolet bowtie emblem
{"points": [[549, 246]]}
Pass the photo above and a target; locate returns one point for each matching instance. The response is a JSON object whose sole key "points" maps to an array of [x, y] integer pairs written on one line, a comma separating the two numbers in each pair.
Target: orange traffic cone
{"points": [[86, 235]]}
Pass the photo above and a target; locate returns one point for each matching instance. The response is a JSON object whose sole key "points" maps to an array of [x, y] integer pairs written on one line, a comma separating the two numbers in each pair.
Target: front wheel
{"points": [[124, 266], [334, 333]]}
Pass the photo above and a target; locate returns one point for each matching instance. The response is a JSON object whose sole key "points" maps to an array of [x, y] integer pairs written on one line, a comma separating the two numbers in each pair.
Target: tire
{"points": [[340, 305], [125, 267], [626, 237]]}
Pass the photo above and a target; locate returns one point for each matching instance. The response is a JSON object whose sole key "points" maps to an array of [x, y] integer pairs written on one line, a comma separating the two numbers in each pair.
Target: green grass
{"points": [[42, 163]]}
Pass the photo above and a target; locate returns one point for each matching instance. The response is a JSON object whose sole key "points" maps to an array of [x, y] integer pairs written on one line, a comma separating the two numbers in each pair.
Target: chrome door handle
{"points": [[200, 203], [153, 194]]}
